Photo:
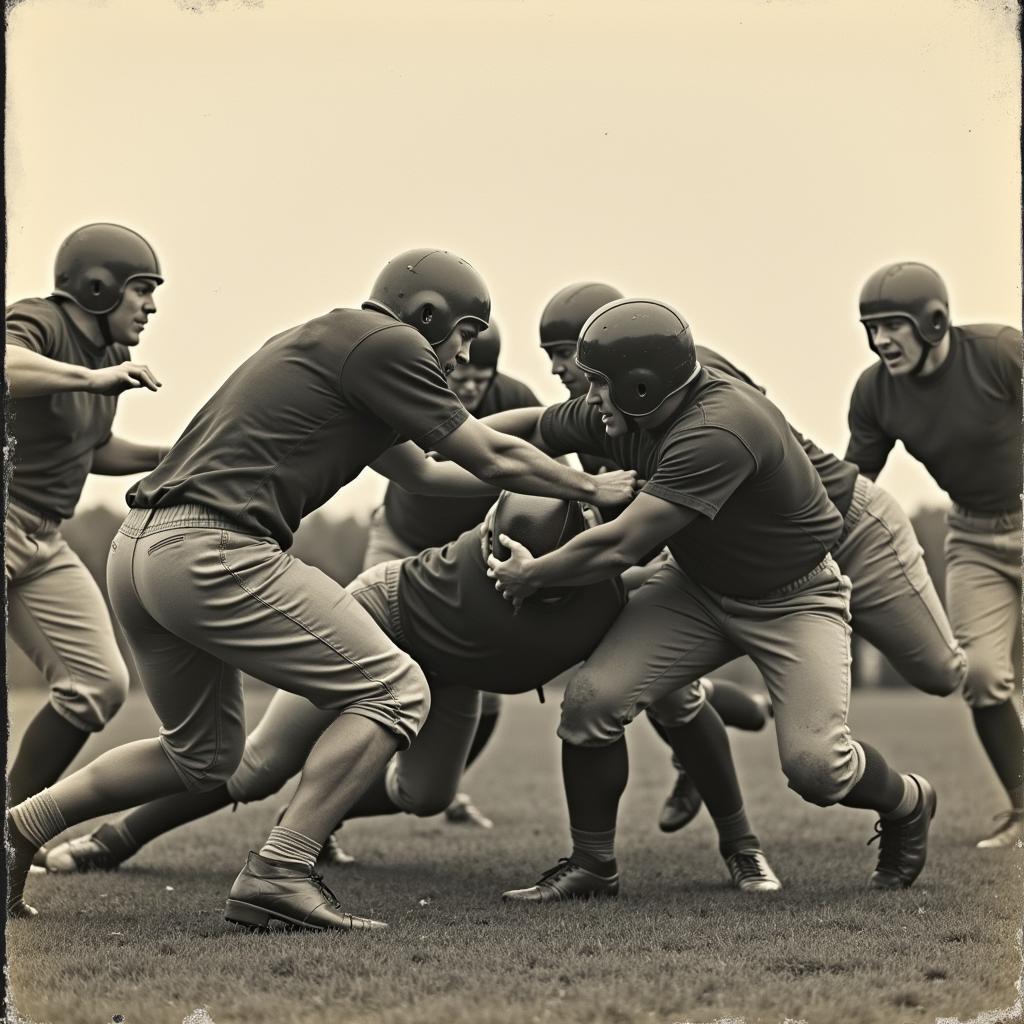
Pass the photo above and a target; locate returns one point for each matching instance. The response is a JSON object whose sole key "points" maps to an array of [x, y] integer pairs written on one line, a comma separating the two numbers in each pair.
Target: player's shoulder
{"points": [[44, 312], [990, 337], [869, 381]]}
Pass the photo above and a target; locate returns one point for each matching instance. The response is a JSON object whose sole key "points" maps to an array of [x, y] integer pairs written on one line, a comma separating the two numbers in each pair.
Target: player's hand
{"points": [[616, 487], [112, 380], [511, 577]]}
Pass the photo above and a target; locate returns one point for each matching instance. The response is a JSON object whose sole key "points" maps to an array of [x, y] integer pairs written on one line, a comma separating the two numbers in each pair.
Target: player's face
{"points": [[896, 343], [470, 384], [455, 348], [598, 394], [563, 366], [128, 320]]}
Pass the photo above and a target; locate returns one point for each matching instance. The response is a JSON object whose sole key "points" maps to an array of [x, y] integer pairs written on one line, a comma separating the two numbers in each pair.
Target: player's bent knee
{"points": [[817, 777], [985, 686], [417, 796], [115, 691], [202, 768], [262, 773]]}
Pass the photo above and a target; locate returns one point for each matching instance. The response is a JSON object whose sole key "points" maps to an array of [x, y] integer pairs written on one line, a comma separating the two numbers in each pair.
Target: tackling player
{"points": [[750, 528], [69, 357], [203, 588], [408, 523], [440, 607], [952, 395]]}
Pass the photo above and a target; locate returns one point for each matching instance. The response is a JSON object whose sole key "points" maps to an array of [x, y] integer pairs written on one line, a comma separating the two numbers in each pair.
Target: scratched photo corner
{"points": [[512, 512]]}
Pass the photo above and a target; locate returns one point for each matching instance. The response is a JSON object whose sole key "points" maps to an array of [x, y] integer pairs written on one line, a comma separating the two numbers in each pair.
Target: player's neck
{"points": [[936, 357], [665, 412], [86, 323]]}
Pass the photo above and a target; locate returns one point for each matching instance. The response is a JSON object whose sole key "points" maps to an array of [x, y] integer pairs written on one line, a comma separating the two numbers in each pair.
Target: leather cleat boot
{"points": [[903, 846], [567, 880], [751, 872], [1009, 832], [20, 910], [268, 895], [333, 853], [682, 806], [86, 853]]}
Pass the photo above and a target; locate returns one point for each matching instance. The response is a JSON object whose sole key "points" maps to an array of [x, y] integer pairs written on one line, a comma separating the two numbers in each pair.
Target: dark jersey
{"points": [[462, 631], [963, 421], [424, 521], [837, 475], [764, 517], [303, 416], [57, 435]]}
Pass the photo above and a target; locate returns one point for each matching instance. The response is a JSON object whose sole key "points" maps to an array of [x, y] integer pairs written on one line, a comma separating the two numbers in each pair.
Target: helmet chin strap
{"points": [[103, 319], [922, 358]]}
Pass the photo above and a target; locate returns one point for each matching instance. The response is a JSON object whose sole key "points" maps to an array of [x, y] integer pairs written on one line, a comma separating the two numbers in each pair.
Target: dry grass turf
{"points": [[150, 944]]}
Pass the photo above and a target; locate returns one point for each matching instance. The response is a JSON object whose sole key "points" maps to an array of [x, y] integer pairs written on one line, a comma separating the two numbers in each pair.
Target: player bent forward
{"points": [[749, 526], [439, 607], [203, 587]]}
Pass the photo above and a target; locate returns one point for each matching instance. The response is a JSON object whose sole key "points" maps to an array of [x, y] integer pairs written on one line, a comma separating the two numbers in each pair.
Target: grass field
{"points": [[150, 943]]}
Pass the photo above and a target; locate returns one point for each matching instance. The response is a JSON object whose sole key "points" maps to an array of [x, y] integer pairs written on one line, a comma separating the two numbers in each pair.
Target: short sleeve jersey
{"points": [[57, 435], [764, 519], [838, 476], [303, 416], [963, 422], [425, 521], [463, 632]]}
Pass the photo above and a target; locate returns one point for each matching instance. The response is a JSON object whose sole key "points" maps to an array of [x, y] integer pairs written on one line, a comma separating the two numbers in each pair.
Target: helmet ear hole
{"points": [[96, 287], [641, 390], [427, 313]]}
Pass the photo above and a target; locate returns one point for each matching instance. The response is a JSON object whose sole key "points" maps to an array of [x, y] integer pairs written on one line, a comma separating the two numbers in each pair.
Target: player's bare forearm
{"points": [[595, 555], [599, 553], [446, 480], [119, 457], [521, 423], [509, 463], [31, 375]]}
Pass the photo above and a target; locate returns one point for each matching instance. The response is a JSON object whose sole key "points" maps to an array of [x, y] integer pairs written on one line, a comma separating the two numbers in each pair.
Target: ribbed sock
{"points": [[49, 745], [594, 778], [285, 844], [594, 850], [735, 834], [879, 788], [908, 802], [39, 818], [701, 746]]}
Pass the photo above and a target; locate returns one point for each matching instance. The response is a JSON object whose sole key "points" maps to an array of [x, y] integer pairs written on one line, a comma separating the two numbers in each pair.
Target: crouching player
{"points": [[750, 529], [440, 608]]}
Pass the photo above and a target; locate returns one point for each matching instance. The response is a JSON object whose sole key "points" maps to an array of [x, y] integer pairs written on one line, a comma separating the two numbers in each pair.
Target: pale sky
{"points": [[749, 162]]}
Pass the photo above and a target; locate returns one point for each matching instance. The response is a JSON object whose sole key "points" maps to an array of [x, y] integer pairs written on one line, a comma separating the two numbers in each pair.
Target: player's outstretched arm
{"points": [[511, 464], [30, 375], [118, 457], [594, 555]]}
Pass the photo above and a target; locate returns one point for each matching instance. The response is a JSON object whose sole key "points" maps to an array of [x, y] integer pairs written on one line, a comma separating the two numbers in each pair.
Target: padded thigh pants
{"points": [[894, 603], [201, 602], [57, 616], [983, 594], [673, 631], [421, 780]]}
